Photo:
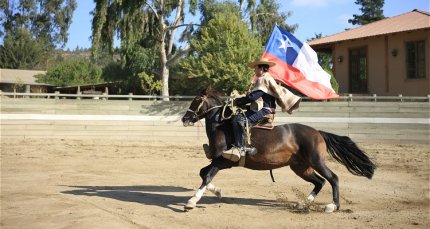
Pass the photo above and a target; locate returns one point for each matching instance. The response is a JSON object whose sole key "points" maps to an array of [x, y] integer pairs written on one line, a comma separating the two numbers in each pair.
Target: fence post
{"points": [[57, 95], [27, 91], [374, 98], [350, 97], [428, 96], [130, 95], [401, 97]]}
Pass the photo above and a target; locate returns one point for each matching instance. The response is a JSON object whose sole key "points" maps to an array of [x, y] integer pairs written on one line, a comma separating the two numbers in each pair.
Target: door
{"points": [[358, 70]]}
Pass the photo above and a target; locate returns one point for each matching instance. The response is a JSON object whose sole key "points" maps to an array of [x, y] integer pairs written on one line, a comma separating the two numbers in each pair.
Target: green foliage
{"points": [[222, 53], [31, 31], [151, 24], [149, 84], [47, 20], [372, 11], [333, 81], [21, 51], [71, 72], [210, 8], [265, 16], [114, 72], [138, 60]]}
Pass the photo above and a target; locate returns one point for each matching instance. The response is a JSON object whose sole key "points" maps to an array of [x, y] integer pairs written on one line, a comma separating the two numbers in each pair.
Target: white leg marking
{"points": [[200, 193], [329, 208], [193, 201], [215, 190], [311, 197]]}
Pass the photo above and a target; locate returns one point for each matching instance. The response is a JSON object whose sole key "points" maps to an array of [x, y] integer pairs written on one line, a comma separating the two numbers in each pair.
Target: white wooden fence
{"points": [[148, 118]]}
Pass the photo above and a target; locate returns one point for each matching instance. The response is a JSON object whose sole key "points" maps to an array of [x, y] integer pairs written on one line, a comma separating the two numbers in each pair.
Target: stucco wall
{"points": [[399, 84], [381, 62]]}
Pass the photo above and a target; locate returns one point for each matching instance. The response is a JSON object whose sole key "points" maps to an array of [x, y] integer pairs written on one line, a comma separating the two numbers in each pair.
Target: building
{"points": [[15, 80], [386, 57]]}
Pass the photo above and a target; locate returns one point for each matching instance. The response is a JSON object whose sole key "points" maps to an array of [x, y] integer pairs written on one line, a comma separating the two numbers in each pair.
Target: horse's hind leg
{"points": [[319, 166], [307, 173]]}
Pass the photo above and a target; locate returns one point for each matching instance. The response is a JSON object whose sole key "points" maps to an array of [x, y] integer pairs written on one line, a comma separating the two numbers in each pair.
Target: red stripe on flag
{"points": [[292, 77]]}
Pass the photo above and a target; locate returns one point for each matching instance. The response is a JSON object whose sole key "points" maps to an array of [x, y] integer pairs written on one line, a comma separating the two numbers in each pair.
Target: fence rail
{"points": [[151, 119], [130, 96]]}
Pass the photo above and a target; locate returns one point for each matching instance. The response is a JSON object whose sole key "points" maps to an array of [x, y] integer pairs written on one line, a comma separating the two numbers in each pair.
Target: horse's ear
{"points": [[203, 92], [206, 91], [209, 89]]}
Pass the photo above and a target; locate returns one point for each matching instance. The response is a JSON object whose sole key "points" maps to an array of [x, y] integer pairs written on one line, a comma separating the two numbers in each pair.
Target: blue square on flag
{"points": [[284, 45]]}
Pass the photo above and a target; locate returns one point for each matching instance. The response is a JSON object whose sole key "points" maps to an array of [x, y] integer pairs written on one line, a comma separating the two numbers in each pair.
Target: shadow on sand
{"points": [[167, 196]]}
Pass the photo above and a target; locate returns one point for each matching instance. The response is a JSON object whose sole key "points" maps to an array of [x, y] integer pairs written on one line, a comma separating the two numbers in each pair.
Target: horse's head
{"points": [[200, 106]]}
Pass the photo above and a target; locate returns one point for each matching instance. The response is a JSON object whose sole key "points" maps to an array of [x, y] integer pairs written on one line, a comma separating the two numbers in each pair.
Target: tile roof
{"points": [[414, 20]]}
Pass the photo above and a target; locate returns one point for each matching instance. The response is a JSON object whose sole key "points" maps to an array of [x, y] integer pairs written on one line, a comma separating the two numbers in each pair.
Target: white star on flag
{"points": [[285, 43]]}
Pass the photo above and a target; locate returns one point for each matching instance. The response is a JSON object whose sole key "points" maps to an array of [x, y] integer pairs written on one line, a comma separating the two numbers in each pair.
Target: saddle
{"points": [[266, 123]]}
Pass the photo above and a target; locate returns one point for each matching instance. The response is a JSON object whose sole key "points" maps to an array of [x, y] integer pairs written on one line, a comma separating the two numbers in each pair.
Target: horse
{"points": [[301, 147]]}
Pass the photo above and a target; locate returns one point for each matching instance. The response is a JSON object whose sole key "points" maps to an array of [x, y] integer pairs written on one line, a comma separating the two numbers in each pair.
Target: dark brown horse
{"points": [[301, 147]]}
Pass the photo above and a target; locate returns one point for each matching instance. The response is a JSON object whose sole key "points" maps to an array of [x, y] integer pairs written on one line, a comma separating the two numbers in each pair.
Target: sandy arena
{"points": [[64, 183]]}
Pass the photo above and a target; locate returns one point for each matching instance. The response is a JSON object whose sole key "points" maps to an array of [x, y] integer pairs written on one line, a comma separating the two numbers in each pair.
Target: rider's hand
{"points": [[234, 102], [243, 106]]}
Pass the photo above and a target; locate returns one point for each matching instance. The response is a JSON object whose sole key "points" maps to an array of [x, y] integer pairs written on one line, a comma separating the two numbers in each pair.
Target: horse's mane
{"points": [[210, 92]]}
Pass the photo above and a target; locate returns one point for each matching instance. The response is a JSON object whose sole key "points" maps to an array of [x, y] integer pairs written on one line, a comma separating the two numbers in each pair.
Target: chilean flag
{"points": [[297, 65]]}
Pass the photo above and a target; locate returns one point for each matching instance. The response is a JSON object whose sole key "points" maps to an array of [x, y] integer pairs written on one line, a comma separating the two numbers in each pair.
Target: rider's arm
{"points": [[254, 95]]}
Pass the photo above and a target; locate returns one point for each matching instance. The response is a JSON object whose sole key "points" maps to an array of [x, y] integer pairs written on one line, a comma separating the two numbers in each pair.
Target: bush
{"points": [[72, 72]]}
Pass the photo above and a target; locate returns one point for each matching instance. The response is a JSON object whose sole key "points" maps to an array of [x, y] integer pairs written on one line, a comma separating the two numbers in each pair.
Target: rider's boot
{"points": [[240, 150], [232, 154]]}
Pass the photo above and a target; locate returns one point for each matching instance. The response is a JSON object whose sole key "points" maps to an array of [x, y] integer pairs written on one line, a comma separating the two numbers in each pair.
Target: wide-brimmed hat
{"points": [[261, 61]]}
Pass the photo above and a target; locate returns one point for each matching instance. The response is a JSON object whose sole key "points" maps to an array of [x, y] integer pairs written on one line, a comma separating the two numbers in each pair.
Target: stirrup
{"points": [[251, 151]]}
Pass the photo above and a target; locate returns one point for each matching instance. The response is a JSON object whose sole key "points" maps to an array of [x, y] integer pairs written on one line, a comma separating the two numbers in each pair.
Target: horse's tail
{"points": [[345, 151]]}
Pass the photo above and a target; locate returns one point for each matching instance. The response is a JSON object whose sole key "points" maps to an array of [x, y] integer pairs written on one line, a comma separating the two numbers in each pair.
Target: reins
{"points": [[229, 103], [204, 99]]}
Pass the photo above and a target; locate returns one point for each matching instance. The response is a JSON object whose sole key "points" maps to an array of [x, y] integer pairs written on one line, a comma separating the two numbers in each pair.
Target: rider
{"points": [[263, 98]]}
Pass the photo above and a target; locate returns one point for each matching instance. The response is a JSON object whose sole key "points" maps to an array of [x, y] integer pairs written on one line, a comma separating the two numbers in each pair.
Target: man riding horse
{"points": [[263, 98]]}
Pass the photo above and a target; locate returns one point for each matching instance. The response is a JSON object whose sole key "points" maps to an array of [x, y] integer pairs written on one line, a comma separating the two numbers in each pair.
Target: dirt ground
{"points": [[48, 183]]}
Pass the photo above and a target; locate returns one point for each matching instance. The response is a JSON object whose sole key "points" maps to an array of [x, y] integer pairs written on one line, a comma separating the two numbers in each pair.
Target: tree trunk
{"points": [[164, 74], [164, 68]]}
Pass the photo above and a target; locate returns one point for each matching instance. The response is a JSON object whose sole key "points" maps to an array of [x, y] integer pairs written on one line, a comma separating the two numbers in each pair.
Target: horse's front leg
{"points": [[192, 202], [207, 174]]}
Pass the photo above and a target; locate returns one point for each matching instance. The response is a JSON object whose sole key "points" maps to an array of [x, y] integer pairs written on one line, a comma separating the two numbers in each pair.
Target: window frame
{"points": [[419, 58]]}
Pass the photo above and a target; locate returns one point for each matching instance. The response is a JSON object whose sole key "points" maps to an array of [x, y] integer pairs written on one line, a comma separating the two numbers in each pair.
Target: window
{"points": [[415, 60]]}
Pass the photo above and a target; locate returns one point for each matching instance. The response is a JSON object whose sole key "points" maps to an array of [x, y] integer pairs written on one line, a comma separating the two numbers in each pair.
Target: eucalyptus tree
{"points": [[157, 21]]}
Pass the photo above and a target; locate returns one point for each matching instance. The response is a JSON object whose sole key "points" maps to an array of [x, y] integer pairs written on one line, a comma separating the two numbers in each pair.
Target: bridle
{"points": [[199, 107]]}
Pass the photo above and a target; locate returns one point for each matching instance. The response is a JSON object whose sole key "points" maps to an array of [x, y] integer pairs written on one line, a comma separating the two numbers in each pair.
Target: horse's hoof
{"points": [[218, 193], [329, 208], [189, 206], [310, 199], [300, 206]]}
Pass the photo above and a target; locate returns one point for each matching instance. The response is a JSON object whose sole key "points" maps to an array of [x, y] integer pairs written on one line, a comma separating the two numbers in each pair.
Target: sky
{"points": [[312, 16]]}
